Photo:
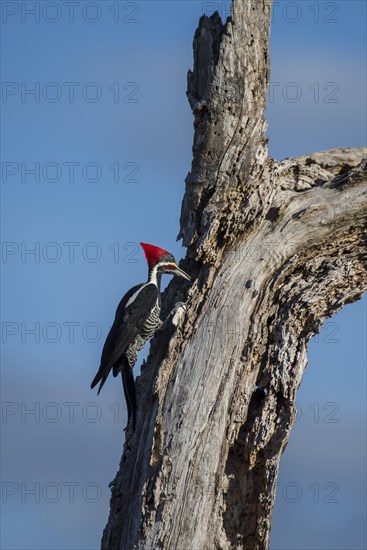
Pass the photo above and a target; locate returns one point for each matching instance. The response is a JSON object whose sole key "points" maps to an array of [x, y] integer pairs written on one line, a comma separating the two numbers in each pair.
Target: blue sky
{"points": [[109, 164]]}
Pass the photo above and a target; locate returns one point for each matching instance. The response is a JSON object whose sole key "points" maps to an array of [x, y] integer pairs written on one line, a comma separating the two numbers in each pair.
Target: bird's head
{"points": [[162, 261]]}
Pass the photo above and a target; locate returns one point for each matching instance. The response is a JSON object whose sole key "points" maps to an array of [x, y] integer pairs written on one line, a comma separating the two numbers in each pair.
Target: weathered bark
{"points": [[274, 249]]}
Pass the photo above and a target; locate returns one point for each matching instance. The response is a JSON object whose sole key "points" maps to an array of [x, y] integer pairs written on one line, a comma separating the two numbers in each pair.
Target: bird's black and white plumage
{"points": [[137, 320]]}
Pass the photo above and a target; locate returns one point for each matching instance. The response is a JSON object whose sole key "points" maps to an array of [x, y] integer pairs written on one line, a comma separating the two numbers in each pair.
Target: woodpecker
{"points": [[137, 320]]}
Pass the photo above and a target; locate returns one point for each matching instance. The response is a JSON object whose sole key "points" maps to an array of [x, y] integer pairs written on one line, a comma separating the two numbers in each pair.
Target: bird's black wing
{"points": [[115, 330], [128, 323]]}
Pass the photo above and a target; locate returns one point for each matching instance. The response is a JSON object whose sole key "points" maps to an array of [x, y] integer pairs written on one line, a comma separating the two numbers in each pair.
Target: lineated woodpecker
{"points": [[137, 320]]}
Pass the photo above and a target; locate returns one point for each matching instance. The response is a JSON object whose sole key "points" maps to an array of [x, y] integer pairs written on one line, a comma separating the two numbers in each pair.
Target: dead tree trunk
{"points": [[274, 249]]}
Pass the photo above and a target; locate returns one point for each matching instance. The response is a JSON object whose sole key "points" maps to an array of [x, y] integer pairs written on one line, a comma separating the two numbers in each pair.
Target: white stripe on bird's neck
{"points": [[153, 279], [153, 274]]}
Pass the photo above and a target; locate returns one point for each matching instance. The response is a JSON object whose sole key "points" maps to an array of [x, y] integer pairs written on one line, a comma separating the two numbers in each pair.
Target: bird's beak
{"points": [[180, 272]]}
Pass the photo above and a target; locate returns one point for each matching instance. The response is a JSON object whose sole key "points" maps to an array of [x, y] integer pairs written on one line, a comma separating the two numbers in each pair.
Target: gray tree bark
{"points": [[274, 249]]}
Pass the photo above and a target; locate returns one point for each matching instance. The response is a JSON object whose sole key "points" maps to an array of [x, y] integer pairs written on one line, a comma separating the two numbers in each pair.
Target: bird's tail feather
{"points": [[98, 378], [128, 383], [101, 384], [95, 381]]}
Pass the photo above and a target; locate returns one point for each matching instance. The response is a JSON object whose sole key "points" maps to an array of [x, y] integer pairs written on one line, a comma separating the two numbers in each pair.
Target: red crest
{"points": [[153, 253]]}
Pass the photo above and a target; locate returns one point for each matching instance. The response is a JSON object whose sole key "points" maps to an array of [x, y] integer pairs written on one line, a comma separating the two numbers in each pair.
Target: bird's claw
{"points": [[175, 316], [178, 313]]}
